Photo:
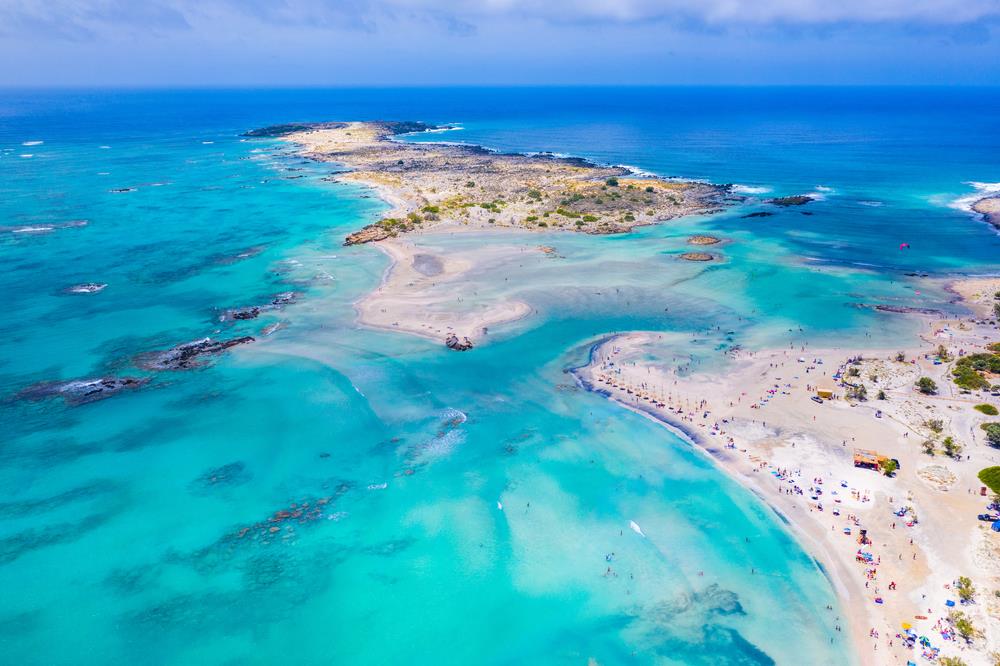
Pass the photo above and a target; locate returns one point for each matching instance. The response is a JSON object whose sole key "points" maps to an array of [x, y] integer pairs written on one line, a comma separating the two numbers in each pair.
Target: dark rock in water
{"points": [[284, 298], [901, 309], [233, 474], [697, 256], [86, 288], [276, 131], [452, 342], [248, 253], [904, 309], [240, 315], [796, 200], [244, 314], [713, 600], [185, 356], [81, 391], [805, 212], [407, 126], [760, 213]]}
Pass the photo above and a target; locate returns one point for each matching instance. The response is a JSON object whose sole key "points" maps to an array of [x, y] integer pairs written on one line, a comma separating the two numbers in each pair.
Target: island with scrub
{"points": [[428, 184]]}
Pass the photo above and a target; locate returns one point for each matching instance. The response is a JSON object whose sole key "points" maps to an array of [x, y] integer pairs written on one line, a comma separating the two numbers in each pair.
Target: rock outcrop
{"points": [[796, 200], [86, 288], [81, 391], [368, 234], [704, 240], [989, 208], [187, 355], [452, 342], [697, 256]]}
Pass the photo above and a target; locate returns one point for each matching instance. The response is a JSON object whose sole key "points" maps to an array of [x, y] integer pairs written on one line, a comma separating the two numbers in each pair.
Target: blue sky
{"points": [[461, 42]]}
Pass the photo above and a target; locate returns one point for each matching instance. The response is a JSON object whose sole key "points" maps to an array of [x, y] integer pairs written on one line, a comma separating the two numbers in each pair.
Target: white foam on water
{"points": [[105, 147], [750, 189], [26, 155], [637, 171], [446, 128], [32, 143], [983, 190], [36, 229]]}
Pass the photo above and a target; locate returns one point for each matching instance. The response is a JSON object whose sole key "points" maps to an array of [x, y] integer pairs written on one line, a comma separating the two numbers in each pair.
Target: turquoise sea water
{"points": [[140, 527]]}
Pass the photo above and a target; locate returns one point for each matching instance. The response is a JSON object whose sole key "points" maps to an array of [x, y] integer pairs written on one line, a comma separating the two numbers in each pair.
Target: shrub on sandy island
{"points": [[950, 661], [989, 410], [963, 625], [952, 449], [992, 433], [968, 368], [927, 386], [991, 478]]}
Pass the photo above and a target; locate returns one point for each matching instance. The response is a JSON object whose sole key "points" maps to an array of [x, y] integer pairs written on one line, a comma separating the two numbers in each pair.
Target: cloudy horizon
{"points": [[497, 42]]}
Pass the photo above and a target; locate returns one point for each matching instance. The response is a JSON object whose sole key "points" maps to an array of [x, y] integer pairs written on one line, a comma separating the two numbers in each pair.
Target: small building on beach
{"points": [[868, 458]]}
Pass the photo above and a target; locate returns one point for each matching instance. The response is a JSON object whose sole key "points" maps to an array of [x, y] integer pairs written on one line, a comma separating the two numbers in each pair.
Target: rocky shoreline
{"points": [[989, 208]]}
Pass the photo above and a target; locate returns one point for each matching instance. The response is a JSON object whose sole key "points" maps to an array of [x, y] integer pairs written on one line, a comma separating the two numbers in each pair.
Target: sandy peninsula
{"points": [[425, 293], [449, 188], [758, 415]]}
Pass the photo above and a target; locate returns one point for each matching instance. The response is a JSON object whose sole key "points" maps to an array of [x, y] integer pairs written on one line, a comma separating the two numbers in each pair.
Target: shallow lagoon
{"points": [[120, 526]]}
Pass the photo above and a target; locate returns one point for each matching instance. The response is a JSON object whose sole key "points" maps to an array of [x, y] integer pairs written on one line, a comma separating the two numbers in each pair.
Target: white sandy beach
{"points": [[757, 419], [426, 293]]}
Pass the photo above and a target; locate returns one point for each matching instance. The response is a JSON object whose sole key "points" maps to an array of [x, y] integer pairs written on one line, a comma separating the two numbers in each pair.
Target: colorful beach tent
{"points": [[996, 526]]}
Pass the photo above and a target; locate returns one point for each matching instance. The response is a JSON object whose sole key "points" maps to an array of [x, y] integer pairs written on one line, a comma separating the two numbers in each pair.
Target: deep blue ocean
{"points": [[328, 493]]}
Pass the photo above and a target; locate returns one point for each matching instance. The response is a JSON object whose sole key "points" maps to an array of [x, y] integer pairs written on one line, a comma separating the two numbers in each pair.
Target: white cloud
{"points": [[61, 18]]}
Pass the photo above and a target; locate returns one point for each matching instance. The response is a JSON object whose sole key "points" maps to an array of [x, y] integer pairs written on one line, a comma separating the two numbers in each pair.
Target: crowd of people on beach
{"points": [[661, 394]]}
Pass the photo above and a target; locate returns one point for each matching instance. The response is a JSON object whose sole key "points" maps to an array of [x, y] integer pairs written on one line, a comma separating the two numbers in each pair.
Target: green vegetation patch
{"points": [[989, 410], [991, 478], [968, 369], [992, 431]]}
